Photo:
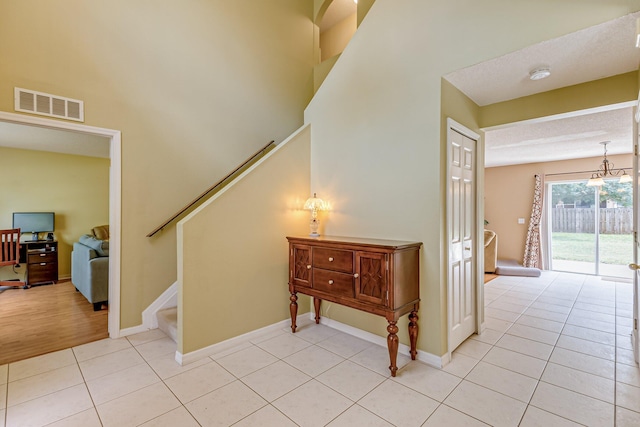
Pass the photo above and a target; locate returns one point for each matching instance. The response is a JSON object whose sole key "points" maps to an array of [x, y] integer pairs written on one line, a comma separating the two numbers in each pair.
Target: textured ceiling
{"points": [[601, 51]]}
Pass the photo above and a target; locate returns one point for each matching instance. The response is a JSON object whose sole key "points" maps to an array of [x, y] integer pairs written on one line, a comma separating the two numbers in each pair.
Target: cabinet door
{"points": [[300, 265], [372, 277]]}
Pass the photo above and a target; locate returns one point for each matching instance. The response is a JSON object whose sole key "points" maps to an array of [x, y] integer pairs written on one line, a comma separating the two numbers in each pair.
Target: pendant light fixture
{"points": [[606, 170]]}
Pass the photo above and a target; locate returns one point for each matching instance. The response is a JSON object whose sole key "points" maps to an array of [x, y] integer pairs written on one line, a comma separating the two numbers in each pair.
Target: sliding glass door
{"points": [[591, 228]]}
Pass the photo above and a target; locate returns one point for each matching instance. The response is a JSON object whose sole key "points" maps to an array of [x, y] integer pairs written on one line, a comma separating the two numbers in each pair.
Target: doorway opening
{"points": [[591, 228]]}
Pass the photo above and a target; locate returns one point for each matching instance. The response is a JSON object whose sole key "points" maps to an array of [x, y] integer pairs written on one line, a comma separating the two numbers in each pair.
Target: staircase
{"points": [[168, 322]]}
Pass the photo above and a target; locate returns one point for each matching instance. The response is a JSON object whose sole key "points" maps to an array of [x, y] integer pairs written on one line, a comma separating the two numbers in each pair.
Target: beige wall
{"points": [[335, 39], [508, 195], [376, 122], [233, 261], [76, 188], [194, 88]]}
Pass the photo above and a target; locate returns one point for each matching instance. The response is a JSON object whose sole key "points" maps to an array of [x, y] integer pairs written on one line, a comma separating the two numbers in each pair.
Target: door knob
{"points": [[634, 266]]}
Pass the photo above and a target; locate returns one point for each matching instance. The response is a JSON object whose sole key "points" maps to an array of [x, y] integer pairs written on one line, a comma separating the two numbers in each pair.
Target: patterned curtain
{"points": [[532, 255]]}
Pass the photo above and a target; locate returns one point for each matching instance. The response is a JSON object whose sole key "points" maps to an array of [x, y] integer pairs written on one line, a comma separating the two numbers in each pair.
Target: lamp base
{"points": [[314, 234]]}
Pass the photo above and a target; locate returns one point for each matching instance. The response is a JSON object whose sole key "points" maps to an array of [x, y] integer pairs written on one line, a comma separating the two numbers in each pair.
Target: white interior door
{"points": [[461, 214]]}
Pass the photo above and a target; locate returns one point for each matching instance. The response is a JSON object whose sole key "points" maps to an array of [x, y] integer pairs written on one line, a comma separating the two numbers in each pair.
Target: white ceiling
{"points": [[42, 139], [601, 51]]}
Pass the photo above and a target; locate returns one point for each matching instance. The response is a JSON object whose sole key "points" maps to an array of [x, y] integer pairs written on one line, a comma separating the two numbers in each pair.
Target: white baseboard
{"points": [[423, 356], [169, 298], [235, 343], [132, 331]]}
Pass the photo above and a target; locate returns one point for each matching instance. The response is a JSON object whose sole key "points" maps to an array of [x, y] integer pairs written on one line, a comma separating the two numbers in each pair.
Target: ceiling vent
{"points": [[45, 104]]}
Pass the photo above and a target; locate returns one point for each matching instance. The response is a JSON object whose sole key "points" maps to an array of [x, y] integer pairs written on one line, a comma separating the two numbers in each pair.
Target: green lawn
{"points": [[614, 248]]}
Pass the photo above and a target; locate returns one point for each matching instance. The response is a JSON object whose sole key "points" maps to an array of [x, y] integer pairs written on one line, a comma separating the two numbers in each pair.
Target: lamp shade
{"points": [[625, 178], [314, 203], [595, 182]]}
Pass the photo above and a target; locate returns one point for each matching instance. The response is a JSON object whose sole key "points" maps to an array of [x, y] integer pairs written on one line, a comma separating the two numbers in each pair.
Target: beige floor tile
{"points": [[284, 345], [345, 345], [59, 405], [589, 334], [488, 336], [628, 396], [556, 301], [555, 308], [534, 334], [537, 322], [592, 348], [145, 337], [534, 417], [460, 364], [503, 381], [357, 416], [327, 404], [594, 324], [314, 360], [580, 382], [3, 396], [399, 405], [138, 407], [473, 348], [40, 364], [496, 324], [500, 304], [376, 358], [157, 348], [627, 418], [110, 363], [351, 380], [486, 405], [628, 374], [594, 307], [525, 346], [516, 362], [275, 380], [4, 374], [573, 406], [594, 315], [625, 356], [315, 333], [624, 342], [446, 416], [497, 313], [226, 405], [246, 361], [199, 381], [546, 314], [42, 384], [2, 417], [178, 417], [118, 384], [266, 416], [583, 362], [88, 418], [166, 366], [432, 382], [100, 348]]}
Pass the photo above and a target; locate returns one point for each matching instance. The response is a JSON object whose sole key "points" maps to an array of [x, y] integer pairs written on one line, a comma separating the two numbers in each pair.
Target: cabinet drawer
{"points": [[43, 273], [338, 284], [333, 259], [38, 257]]}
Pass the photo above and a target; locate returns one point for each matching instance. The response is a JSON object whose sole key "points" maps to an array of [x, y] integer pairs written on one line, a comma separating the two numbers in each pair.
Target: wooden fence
{"points": [[581, 220]]}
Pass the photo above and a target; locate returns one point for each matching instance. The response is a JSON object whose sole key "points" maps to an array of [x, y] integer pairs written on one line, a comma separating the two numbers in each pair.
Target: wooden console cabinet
{"points": [[381, 277], [41, 258]]}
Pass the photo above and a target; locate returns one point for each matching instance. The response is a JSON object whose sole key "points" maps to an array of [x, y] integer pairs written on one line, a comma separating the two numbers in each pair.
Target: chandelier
{"points": [[606, 170]]}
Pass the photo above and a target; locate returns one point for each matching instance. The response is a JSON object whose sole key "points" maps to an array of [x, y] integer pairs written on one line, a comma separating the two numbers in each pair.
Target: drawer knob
{"points": [[356, 275], [309, 267], [331, 282], [43, 254], [43, 263], [330, 259]]}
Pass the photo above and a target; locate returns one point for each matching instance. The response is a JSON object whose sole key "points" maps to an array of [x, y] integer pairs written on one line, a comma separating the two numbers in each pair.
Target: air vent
{"points": [[45, 104]]}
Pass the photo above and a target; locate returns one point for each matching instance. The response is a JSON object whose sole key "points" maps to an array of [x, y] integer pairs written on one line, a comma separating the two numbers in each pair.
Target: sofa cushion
{"points": [[100, 246], [101, 232]]}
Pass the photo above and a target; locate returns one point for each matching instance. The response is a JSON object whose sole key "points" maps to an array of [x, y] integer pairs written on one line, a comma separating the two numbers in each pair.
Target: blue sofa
{"points": [[90, 269]]}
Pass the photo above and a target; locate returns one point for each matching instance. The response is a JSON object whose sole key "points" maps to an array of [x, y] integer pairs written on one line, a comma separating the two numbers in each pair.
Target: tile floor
{"points": [[555, 352]]}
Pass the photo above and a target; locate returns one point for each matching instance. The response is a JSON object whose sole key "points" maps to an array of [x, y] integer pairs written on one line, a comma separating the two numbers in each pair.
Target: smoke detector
{"points": [[539, 73]]}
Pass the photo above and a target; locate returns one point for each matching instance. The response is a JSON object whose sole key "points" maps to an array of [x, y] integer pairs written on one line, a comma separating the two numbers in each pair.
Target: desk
{"points": [[41, 258], [376, 276]]}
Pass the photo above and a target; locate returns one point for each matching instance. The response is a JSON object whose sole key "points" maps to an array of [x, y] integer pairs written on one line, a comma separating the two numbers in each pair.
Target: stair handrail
{"points": [[212, 188]]}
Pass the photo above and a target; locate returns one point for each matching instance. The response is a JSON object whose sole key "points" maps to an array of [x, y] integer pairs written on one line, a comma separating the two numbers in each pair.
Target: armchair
{"points": [[90, 269]]}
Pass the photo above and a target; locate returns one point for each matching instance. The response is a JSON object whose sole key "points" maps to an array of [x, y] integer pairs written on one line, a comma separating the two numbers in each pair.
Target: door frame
{"points": [[478, 258], [115, 199]]}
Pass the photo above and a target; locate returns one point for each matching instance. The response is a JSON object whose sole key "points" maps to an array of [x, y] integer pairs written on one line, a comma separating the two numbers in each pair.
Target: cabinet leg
{"points": [[413, 333], [392, 344], [316, 305], [293, 308]]}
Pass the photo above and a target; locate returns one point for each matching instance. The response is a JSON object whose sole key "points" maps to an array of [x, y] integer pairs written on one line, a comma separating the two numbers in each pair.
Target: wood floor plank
{"points": [[47, 318]]}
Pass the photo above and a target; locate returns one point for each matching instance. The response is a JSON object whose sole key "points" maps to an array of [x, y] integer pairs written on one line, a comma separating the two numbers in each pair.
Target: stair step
{"points": [[168, 322]]}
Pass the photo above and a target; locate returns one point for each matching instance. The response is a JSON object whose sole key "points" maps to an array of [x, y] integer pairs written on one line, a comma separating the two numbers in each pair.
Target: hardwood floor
{"points": [[489, 277], [46, 318]]}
